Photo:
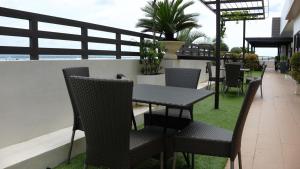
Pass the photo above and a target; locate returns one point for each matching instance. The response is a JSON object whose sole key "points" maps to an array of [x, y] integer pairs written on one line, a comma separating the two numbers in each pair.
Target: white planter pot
{"points": [[151, 79], [171, 48], [297, 89]]}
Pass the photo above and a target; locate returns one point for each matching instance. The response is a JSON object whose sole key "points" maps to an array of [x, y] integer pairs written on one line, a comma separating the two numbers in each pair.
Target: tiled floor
{"points": [[271, 138]]}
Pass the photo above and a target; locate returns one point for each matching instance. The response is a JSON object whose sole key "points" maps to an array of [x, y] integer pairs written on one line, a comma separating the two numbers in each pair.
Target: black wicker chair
{"points": [[177, 118], [105, 108], [211, 78], [233, 77], [201, 138], [249, 79], [74, 71]]}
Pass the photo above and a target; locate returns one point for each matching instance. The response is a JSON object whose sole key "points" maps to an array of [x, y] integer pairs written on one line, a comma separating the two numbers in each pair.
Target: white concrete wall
{"points": [[285, 10], [34, 99], [297, 24]]}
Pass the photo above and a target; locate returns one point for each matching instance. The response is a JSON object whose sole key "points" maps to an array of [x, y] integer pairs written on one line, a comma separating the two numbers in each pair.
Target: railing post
{"points": [[34, 41], [141, 42], [84, 43], [118, 45]]}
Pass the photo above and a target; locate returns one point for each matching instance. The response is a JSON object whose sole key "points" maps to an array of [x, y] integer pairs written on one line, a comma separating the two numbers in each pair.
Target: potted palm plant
{"points": [[295, 70], [168, 18]]}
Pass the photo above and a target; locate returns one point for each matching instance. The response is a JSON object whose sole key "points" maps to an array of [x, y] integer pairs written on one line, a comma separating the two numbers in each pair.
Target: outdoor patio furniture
{"points": [[211, 78], [249, 79], [74, 71], [205, 139], [121, 76], [105, 108], [233, 77], [177, 118], [171, 97]]}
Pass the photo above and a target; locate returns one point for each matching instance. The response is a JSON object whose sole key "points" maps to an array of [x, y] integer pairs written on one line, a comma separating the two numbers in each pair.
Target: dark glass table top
{"points": [[168, 96]]}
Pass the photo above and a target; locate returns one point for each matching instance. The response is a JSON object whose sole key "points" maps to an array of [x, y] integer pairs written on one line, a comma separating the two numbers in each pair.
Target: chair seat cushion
{"points": [[202, 138], [144, 144], [174, 121]]}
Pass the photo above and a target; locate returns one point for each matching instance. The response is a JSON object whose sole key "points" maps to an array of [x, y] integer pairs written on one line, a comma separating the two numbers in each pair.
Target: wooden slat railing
{"points": [[33, 33]]}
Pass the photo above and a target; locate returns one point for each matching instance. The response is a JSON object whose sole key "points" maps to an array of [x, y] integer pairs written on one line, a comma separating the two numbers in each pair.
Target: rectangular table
{"points": [[168, 96], [175, 97]]}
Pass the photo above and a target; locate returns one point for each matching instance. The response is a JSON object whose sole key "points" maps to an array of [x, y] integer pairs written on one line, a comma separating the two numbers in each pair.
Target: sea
{"points": [[60, 57]]}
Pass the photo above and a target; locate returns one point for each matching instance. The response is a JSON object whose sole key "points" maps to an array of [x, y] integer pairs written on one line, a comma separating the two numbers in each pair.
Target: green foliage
{"points": [[237, 15], [236, 50], [283, 58], [223, 30], [151, 56], [167, 17], [233, 56], [224, 47], [189, 36], [252, 62], [295, 66]]}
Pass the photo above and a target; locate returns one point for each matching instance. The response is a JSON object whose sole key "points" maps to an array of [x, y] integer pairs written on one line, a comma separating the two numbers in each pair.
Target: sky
{"points": [[125, 14]]}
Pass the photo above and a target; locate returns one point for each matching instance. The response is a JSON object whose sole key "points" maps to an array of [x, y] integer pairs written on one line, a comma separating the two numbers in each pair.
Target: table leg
{"points": [[150, 113], [166, 120], [191, 112], [166, 138], [133, 121]]}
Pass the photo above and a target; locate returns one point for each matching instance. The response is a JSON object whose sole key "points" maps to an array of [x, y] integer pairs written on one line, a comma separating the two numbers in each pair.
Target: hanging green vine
{"points": [[234, 16]]}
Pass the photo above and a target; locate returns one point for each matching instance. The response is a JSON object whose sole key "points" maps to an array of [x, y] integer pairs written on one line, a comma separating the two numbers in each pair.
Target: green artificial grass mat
{"points": [[204, 111]]}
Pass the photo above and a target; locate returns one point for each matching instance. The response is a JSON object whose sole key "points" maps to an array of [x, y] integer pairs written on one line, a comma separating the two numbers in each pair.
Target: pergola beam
{"points": [[229, 1], [254, 10], [227, 20], [242, 15], [241, 9]]}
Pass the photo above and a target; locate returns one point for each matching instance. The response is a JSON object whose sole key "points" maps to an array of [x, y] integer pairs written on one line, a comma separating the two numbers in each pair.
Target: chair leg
{"points": [[85, 166], [240, 160], [193, 161], [174, 161], [231, 164], [261, 92], [187, 159], [162, 160], [71, 146], [207, 85]]}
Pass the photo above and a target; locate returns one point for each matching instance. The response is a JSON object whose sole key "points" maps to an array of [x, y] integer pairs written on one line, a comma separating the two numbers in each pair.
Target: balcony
{"points": [[36, 114]]}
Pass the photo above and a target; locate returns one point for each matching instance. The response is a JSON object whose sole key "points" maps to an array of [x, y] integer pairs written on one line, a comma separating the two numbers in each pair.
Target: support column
{"points": [[244, 37], [287, 50], [248, 46], [218, 47]]}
